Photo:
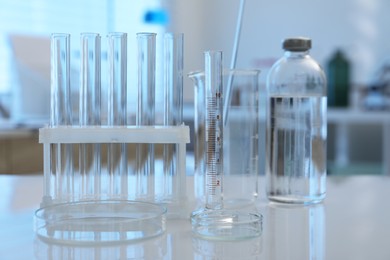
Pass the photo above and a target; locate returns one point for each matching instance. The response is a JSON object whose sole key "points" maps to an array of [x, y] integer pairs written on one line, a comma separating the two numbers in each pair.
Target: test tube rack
{"points": [[103, 218], [101, 182], [74, 135]]}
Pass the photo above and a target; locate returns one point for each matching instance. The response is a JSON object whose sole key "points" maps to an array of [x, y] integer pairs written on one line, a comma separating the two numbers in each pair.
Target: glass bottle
{"points": [[296, 126]]}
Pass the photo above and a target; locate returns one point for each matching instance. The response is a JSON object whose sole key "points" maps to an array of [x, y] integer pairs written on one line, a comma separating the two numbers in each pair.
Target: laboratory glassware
{"points": [[81, 206], [61, 173], [117, 113], [173, 114], [146, 112], [226, 154], [90, 113], [228, 95], [296, 126]]}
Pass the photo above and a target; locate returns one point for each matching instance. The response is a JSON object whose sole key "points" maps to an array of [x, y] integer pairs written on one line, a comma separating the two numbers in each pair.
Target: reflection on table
{"points": [[352, 223]]}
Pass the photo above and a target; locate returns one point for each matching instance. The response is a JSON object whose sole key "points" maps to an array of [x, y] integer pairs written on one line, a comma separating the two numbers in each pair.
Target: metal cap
{"points": [[297, 44]]}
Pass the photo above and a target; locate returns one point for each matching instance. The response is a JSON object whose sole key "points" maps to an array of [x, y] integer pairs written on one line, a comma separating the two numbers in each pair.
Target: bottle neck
{"points": [[296, 54]]}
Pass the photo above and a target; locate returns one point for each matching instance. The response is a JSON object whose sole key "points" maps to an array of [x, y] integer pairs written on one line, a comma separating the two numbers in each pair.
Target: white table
{"points": [[352, 223]]}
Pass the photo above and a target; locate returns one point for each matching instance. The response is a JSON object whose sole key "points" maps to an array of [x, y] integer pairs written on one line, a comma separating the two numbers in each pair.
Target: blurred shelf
{"points": [[343, 118], [355, 168], [357, 116]]}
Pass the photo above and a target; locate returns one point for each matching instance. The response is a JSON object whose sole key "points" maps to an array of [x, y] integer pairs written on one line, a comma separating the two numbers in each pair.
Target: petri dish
{"points": [[99, 222], [226, 224]]}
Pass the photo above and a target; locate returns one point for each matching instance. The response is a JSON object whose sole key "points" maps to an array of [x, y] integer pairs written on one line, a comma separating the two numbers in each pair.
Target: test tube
{"points": [[173, 104], [89, 113], [62, 175], [146, 111], [117, 111]]}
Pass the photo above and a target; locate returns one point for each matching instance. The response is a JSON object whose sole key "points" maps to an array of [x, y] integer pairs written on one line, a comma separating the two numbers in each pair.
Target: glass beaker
{"points": [[241, 133], [240, 145]]}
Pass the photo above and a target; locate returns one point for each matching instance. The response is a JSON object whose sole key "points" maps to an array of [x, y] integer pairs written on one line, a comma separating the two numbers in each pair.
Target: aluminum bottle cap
{"points": [[297, 44]]}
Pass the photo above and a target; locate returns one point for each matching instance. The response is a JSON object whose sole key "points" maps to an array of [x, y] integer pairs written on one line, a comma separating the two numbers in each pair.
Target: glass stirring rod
{"points": [[214, 130], [229, 94]]}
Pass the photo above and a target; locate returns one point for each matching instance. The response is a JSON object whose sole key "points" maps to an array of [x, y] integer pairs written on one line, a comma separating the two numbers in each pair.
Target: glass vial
{"points": [[296, 126], [89, 113]]}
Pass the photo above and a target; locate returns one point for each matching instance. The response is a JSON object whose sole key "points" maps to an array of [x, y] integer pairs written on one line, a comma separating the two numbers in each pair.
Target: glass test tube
{"points": [[173, 104], [117, 111], [89, 113], [146, 111], [62, 176], [214, 130]]}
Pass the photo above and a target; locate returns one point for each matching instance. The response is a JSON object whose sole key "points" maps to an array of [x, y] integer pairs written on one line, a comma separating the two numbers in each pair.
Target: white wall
{"points": [[359, 27]]}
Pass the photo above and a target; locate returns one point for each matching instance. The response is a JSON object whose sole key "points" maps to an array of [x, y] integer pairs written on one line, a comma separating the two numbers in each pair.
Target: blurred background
{"points": [[350, 40]]}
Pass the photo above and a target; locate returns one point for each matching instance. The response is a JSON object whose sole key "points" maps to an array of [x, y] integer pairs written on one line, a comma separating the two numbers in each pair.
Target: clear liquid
{"points": [[296, 149]]}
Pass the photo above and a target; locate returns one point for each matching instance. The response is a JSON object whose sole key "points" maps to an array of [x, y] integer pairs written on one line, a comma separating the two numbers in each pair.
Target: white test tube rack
{"points": [[178, 135], [55, 216]]}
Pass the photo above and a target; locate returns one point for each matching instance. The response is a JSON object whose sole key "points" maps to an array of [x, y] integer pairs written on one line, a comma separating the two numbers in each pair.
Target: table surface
{"points": [[352, 223]]}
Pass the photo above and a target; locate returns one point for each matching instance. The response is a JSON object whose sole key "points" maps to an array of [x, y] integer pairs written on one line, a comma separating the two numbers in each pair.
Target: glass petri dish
{"points": [[103, 221], [226, 224]]}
